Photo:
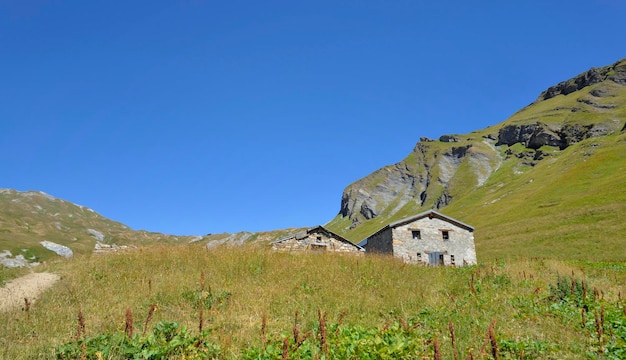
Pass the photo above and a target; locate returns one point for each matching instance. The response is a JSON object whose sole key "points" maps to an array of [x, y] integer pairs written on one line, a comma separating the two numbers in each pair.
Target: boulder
{"points": [[60, 250], [544, 136], [513, 134], [367, 211], [448, 138]]}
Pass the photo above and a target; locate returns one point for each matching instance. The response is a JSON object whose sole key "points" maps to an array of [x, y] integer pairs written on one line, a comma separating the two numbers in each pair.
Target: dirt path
{"points": [[28, 286]]}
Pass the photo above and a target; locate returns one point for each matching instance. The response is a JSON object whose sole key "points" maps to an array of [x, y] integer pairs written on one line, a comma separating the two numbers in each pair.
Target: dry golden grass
{"points": [[371, 290]]}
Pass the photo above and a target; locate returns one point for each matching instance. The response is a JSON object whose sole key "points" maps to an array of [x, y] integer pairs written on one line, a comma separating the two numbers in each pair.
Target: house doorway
{"points": [[435, 259]]}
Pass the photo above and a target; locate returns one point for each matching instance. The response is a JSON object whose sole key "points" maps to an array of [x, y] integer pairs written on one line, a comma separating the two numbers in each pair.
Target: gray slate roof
{"points": [[302, 234], [434, 214]]}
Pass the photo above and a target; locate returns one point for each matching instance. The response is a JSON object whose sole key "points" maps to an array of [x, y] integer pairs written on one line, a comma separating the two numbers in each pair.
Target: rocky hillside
{"points": [[31, 220], [35, 226], [565, 128]]}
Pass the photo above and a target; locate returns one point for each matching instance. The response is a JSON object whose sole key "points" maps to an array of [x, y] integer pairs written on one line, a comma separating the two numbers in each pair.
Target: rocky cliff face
{"points": [[534, 136], [429, 176], [438, 171]]}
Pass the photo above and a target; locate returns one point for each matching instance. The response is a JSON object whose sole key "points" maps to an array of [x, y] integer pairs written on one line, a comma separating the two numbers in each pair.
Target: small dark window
{"points": [[319, 238], [318, 247], [452, 260], [416, 234], [445, 234], [419, 256]]}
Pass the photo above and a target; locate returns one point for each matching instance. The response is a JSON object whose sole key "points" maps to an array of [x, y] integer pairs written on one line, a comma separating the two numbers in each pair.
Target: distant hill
{"points": [[550, 181], [30, 217]]}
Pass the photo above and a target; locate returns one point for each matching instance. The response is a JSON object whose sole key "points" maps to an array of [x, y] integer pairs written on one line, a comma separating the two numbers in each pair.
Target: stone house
{"points": [[317, 239], [428, 238]]}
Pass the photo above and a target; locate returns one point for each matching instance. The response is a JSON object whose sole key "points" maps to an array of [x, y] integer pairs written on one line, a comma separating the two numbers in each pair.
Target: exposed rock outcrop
{"points": [[389, 183], [443, 200], [7, 260], [513, 134], [587, 78], [448, 138], [60, 250], [615, 73], [534, 136], [101, 248], [543, 135], [232, 239], [422, 179]]}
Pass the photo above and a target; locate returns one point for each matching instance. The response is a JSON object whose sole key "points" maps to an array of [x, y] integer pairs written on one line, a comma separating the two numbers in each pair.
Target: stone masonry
{"points": [[429, 238], [317, 239]]}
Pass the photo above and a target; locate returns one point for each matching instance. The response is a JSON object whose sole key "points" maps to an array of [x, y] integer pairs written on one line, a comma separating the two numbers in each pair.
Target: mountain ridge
{"points": [[444, 174], [500, 179], [32, 223]]}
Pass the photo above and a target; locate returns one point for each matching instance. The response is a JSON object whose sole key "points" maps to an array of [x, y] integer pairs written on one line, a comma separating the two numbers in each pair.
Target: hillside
{"points": [[548, 181], [27, 218]]}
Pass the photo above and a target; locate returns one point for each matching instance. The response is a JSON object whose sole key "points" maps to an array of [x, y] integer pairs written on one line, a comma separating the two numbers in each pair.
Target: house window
{"points": [[452, 260], [318, 247], [319, 239], [416, 234], [419, 256], [445, 234]]}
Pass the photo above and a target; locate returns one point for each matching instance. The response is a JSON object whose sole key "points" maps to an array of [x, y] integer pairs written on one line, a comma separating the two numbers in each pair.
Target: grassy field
{"points": [[373, 305]]}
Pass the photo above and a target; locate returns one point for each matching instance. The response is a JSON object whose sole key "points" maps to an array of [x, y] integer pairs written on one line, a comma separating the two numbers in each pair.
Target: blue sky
{"points": [[195, 117]]}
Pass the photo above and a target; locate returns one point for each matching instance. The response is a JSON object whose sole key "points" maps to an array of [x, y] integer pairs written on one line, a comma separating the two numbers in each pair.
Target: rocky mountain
{"points": [[565, 128], [549, 181]]}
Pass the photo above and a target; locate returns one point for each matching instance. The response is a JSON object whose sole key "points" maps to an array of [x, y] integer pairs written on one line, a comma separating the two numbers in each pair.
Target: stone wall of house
{"points": [[457, 250], [315, 242], [380, 242]]}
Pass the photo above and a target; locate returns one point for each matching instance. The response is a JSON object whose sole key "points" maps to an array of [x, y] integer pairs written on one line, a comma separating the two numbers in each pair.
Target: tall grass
{"points": [[239, 291]]}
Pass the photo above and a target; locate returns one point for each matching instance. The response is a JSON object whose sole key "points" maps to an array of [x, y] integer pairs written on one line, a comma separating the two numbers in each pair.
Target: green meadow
{"points": [[248, 302], [550, 281]]}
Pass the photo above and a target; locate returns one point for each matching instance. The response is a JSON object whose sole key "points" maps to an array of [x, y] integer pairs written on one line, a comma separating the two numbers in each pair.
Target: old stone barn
{"points": [[317, 239], [428, 238]]}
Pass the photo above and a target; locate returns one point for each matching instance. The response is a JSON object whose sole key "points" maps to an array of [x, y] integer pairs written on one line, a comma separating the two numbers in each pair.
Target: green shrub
{"points": [[167, 340]]}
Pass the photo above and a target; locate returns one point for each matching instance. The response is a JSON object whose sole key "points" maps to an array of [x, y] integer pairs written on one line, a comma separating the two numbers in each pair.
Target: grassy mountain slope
{"points": [[29, 217], [558, 190]]}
